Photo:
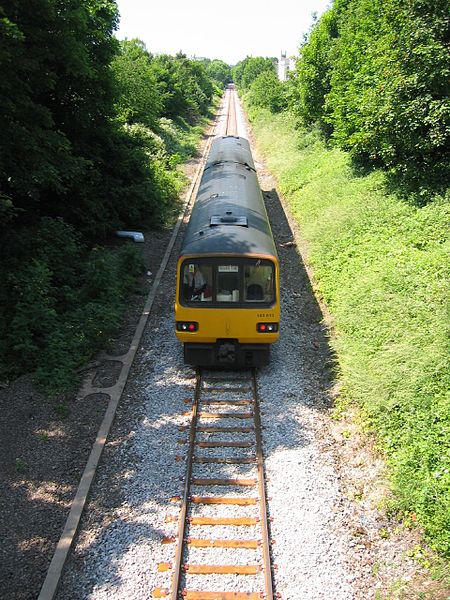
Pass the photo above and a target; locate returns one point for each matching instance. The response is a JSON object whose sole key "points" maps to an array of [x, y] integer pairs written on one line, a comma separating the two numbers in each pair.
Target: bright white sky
{"points": [[204, 28]]}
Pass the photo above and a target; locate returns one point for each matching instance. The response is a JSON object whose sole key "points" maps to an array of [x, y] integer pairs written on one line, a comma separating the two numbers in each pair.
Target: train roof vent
{"points": [[228, 219]]}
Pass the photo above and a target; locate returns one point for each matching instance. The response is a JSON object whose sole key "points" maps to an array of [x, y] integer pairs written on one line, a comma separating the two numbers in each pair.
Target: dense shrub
{"points": [[64, 302], [381, 265], [376, 73], [267, 91]]}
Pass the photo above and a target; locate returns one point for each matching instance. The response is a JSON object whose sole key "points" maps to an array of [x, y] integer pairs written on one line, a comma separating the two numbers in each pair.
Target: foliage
{"points": [[138, 95], [247, 70], [84, 150], [219, 71], [313, 73], [185, 86], [65, 301], [56, 60], [267, 91], [180, 139], [376, 73], [381, 268]]}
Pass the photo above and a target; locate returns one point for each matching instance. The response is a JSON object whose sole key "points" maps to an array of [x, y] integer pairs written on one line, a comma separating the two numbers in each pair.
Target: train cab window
{"points": [[242, 283], [259, 282], [197, 282], [228, 283]]}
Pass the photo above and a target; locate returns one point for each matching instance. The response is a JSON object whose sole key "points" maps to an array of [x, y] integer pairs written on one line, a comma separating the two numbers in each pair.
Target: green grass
{"points": [[381, 266]]}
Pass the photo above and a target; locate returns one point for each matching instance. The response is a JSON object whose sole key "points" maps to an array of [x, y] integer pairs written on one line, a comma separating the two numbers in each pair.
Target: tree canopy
{"points": [[374, 75], [247, 70], [92, 131]]}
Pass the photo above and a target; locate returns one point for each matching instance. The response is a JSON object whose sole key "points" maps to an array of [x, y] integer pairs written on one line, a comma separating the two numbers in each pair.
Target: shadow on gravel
{"points": [[303, 331], [117, 530]]}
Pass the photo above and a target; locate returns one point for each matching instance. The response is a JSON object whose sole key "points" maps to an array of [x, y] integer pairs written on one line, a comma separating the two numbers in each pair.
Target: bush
{"points": [[66, 302], [381, 266], [267, 91]]}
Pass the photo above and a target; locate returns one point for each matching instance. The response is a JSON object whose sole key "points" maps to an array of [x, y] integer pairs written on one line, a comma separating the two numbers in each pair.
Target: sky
{"points": [[204, 28]]}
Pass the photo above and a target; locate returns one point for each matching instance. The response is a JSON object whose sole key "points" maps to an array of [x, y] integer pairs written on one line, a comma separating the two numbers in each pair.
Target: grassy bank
{"points": [[381, 266]]}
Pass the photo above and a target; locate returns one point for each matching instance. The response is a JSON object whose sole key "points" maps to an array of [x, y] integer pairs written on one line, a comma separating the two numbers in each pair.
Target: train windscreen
{"points": [[240, 282]]}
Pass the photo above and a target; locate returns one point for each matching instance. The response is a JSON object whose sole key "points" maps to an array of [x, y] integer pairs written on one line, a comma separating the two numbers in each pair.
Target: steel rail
{"points": [[227, 124], [262, 493], [231, 128], [185, 521], [177, 570]]}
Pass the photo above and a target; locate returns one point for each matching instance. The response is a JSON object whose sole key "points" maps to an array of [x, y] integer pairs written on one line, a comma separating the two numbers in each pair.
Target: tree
{"points": [[186, 88], [246, 71], [219, 71], [313, 72], [138, 94], [374, 74], [57, 100], [267, 91]]}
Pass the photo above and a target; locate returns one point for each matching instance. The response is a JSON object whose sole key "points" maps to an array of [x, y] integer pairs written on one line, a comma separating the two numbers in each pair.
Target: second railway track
{"points": [[222, 547]]}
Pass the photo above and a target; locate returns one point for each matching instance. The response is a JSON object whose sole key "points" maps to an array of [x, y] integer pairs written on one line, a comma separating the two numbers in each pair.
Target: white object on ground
{"points": [[136, 236]]}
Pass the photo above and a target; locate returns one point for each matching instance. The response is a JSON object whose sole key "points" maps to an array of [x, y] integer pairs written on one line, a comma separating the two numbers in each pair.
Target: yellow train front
{"points": [[227, 306]]}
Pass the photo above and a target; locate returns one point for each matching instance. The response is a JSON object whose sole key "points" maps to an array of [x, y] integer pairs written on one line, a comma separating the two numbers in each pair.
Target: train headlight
{"points": [[267, 327], [188, 326]]}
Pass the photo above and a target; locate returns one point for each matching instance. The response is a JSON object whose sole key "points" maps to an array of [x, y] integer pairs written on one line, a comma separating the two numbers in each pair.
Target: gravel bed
{"points": [[119, 559], [119, 547]]}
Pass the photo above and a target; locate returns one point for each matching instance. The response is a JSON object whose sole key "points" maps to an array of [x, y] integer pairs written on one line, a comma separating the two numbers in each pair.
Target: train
{"points": [[227, 305]]}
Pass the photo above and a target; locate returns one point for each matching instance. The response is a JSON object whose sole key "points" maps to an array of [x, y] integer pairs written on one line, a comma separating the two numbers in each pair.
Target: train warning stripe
{"points": [[202, 543], [223, 500], [223, 521], [243, 482], [188, 595], [222, 569]]}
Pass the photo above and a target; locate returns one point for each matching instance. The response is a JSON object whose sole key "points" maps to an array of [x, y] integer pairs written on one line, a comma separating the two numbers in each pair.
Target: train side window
{"points": [[259, 282], [228, 285], [197, 282]]}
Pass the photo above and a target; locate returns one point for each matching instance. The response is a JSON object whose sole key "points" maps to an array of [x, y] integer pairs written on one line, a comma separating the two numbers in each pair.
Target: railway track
{"points": [[222, 547], [231, 123], [223, 532]]}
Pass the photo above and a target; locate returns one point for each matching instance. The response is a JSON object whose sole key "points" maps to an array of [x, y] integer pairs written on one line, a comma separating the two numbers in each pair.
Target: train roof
{"points": [[230, 149], [229, 215]]}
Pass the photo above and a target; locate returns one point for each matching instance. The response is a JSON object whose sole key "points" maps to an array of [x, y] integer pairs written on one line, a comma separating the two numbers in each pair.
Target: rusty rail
{"points": [[180, 567]]}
